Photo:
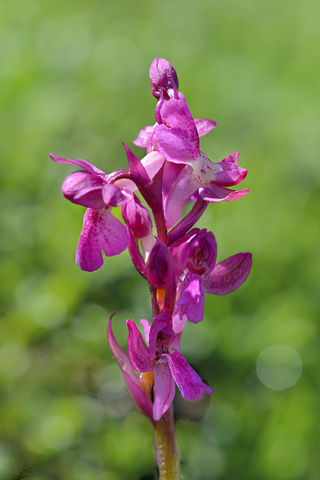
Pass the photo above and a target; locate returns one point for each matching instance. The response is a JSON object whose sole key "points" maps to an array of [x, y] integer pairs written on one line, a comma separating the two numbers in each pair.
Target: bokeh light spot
{"points": [[279, 367]]}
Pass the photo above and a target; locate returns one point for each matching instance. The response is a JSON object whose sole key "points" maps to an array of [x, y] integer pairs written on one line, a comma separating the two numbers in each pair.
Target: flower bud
{"points": [[160, 265], [137, 217], [196, 251], [202, 253], [161, 273], [163, 78]]}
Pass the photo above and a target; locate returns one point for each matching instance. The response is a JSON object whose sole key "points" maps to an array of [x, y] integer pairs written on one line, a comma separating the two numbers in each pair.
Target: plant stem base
{"points": [[167, 453]]}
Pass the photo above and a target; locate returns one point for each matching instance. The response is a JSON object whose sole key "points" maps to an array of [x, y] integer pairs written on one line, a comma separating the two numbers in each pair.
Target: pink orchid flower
{"points": [[100, 192], [195, 256], [192, 172], [163, 358]]}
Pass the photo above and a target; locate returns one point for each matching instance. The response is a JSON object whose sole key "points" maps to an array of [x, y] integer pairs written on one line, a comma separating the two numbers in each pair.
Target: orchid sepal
{"points": [[129, 375]]}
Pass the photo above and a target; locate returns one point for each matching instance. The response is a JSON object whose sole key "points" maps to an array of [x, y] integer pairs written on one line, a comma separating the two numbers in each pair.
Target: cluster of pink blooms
{"points": [[177, 260]]}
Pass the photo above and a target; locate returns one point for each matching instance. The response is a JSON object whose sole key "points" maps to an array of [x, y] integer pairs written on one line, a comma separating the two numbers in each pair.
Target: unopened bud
{"points": [[163, 78], [138, 218]]}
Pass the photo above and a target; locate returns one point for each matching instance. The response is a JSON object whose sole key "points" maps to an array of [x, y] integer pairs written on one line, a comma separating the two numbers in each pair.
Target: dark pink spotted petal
{"points": [[101, 231]]}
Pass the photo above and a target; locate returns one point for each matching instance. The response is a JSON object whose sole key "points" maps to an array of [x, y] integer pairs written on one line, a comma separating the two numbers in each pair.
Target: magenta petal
{"points": [[230, 174], [138, 353], [191, 299], [80, 163], [180, 249], [114, 196], [138, 172], [189, 383], [228, 275], [164, 390], [141, 178], [101, 231], [184, 186], [146, 329], [232, 158], [178, 321], [83, 188], [160, 323], [215, 193], [230, 178], [170, 173], [143, 137], [129, 375], [204, 126], [179, 141], [152, 162]]}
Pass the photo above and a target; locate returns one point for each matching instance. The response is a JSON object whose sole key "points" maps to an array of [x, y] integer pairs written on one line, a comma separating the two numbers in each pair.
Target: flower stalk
{"points": [[166, 448]]}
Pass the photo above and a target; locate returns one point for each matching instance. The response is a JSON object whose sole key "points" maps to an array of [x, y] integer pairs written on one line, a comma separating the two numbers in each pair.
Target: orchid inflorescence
{"points": [[177, 260]]}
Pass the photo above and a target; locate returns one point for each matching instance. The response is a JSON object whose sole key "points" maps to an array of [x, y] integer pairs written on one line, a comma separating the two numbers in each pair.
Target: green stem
{"points": [[167, 453]]}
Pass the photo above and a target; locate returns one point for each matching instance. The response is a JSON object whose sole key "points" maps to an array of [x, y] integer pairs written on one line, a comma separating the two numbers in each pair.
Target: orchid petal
{"points": [[152, 163], [101, 231], [160, 322], [204, 126], [189, 383], [126, 183], [143, 136], [164, 390], [147, 244], [170, 173], [141, 178], [215, 193], [228, 275], [232, 158], [180, 249], [181, 190], [128, 374], [174, 344], [178, 321], [114, 196], [146, 329], [138, 353], [230, 174], [80, 163], [177, 137], [138, 172], [83, 188], [191, 299]]}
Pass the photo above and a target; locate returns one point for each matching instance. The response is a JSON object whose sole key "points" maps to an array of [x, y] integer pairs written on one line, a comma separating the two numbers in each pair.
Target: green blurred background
{"points": [[74, 81]]}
